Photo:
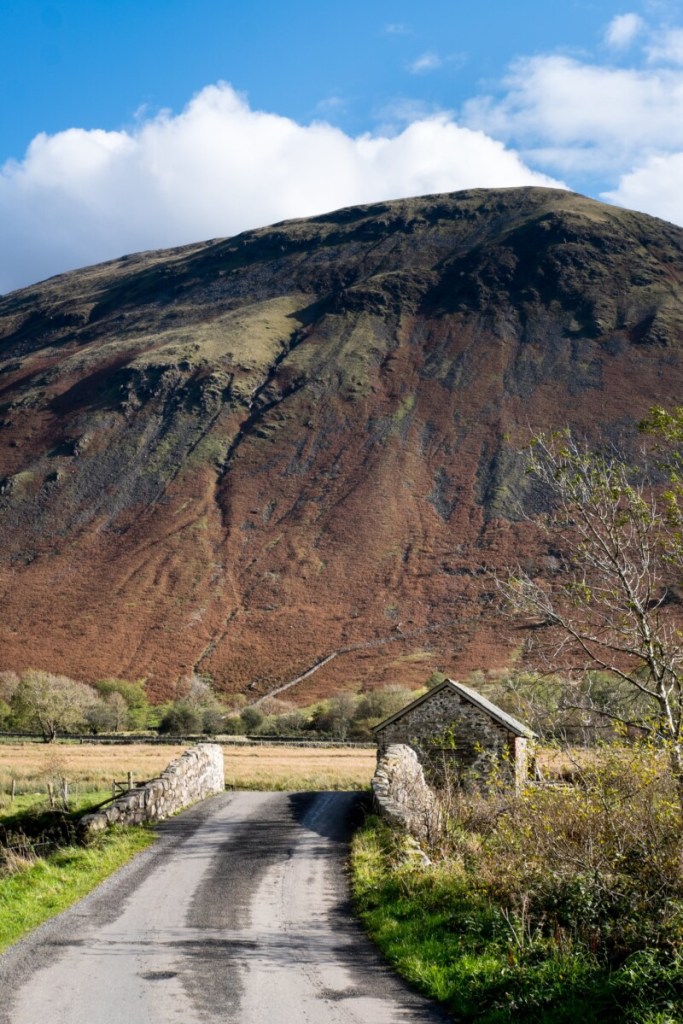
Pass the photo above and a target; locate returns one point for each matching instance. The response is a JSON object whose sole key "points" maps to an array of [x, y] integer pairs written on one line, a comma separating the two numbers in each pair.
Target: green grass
{"points": [[12, 811], [51, 884], [456, 945], [34, 888]]}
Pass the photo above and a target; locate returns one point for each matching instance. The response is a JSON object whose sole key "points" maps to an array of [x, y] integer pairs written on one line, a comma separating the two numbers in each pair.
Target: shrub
{"points": [[556, 904], [181, 719], [232, 726], [598, 860], [291, 723], [251, 718], [441, 926], [213, 721]]}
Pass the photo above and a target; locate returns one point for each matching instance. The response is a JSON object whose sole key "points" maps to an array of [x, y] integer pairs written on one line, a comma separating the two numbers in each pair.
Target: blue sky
{"points": [[132, 124]]}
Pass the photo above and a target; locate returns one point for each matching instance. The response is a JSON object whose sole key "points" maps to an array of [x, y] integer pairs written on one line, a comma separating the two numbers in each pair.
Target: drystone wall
{"points": [[195, 775], [401, 794]]}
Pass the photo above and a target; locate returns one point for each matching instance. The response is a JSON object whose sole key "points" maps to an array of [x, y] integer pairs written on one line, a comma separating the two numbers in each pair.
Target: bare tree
{"points": [[613, 606]]}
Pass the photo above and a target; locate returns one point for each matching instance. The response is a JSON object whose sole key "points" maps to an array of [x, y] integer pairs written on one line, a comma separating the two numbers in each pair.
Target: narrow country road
{"points": [[239, 915]]}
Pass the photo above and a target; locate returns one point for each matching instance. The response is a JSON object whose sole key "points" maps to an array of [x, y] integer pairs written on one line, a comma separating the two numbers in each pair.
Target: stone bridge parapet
{"points": [[401, 794], [195, 775]]}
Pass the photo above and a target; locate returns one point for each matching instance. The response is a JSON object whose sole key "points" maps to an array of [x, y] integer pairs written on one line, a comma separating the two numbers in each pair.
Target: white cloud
{"points": [[330, 105], [431, 61], [622, 30], [215, 169], [397, 28], [654, 187], [424, 63], [667, 47], [617, 129], [565, 112]]}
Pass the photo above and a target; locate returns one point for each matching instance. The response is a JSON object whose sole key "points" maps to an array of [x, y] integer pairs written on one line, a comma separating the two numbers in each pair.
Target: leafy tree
{"points": [[557, 707], [99, 718], [290, 723], [119, 710], [232, 726], [379, 704], [133, 693], [50, 704], [9, 681], [108, 714], [336, 716], [613, 604], [5, 714]]}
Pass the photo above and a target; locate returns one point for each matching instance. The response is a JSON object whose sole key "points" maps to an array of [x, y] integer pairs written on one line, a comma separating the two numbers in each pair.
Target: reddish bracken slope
{"points": [[241, 456]]}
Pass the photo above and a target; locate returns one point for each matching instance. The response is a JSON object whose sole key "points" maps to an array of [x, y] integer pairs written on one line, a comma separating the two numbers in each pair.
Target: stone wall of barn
{"points": [[450, 734]]}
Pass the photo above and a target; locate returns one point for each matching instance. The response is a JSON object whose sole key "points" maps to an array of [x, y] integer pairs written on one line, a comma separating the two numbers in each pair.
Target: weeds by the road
{"points": [[447, 936], [556, 905]]}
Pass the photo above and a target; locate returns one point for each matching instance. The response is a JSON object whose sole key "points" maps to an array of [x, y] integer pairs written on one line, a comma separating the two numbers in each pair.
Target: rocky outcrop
{"points": [[197, 774], [401, 794]]}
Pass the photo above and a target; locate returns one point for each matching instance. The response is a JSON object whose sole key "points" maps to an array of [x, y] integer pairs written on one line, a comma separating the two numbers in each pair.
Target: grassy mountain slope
{"points": [[240, 456]]}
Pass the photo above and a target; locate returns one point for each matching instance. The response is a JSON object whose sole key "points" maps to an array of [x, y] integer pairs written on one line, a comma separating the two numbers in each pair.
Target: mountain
{"points": [[241, 456]]}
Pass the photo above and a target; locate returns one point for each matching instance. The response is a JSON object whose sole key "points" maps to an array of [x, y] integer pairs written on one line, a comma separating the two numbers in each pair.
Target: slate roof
{"points": [[496, 713]]}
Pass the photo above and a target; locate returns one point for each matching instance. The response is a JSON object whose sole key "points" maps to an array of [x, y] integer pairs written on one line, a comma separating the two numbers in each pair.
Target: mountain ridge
{"points": [[241, 455]]}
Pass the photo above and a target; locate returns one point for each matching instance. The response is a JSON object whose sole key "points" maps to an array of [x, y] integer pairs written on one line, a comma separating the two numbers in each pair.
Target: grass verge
{"points": [[47, 886], [455, 944]]}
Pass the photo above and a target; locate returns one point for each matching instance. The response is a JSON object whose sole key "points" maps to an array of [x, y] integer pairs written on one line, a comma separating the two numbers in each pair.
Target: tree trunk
{"points": [[676, 761]]}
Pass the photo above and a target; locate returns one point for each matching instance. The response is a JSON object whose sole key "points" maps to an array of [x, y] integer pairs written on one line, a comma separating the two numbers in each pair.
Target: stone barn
{"points": [[456, 731]]}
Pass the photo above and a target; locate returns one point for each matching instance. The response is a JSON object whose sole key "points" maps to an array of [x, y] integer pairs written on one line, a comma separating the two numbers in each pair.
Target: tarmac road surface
{"points": [[239, 914]]}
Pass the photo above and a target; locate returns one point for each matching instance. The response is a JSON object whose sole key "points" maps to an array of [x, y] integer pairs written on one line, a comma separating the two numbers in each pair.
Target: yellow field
{"points": [[292, 768], [94, 766]]}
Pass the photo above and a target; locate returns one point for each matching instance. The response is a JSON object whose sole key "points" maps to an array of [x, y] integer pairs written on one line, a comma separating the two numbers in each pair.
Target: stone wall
{"points": [[198, 773], [401, 794], [474, 739]]}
